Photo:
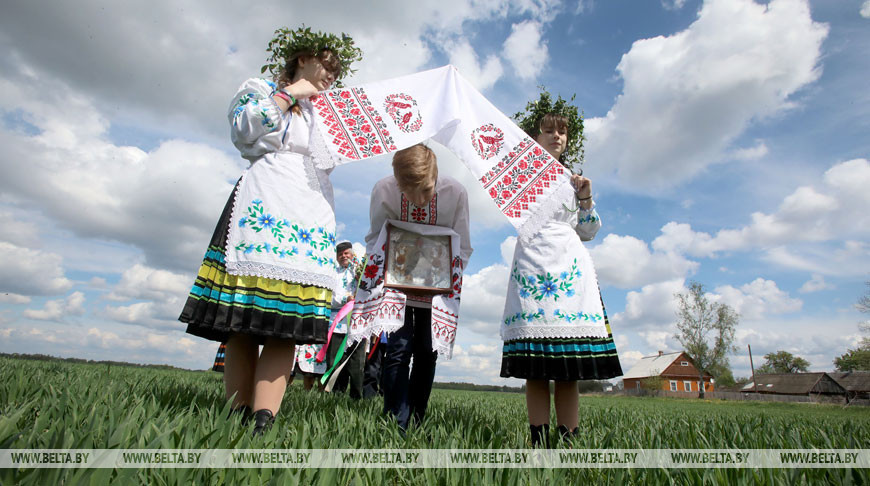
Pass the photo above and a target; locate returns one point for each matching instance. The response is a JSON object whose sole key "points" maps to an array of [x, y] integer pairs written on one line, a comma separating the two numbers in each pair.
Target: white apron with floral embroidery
{"points": [[283, 219], [553, 290], [306, 359]]}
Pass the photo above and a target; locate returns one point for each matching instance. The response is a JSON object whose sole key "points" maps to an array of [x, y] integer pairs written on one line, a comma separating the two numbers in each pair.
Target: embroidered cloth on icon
{"points": [[381, 309]]}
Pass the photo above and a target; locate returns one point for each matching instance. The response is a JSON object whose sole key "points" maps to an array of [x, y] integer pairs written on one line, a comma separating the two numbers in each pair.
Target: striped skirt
{"points": [[220, 304], [561, 359]]}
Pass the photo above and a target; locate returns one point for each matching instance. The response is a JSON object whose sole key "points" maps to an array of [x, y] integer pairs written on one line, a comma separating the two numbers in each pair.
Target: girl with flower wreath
{"points": [[268, 273], [554, 324]]}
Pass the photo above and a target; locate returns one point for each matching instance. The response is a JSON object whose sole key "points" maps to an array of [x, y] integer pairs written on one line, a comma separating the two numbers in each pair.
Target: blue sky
{"points": [[727, 143]]}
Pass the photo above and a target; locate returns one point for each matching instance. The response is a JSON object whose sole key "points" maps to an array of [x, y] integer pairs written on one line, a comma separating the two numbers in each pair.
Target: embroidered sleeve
{"points": [[256, 122], [380, 210], [461, 227], [588, 223]]}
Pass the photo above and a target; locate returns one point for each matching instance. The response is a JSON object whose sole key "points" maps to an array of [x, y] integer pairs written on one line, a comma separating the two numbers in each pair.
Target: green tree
{"points": [[783, 362], [705, 329], [722, 374], [853, 360], [858, 359]]}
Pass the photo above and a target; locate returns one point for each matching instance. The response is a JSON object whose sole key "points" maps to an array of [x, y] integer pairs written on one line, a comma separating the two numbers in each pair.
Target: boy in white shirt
{"points": [[415, 193]]}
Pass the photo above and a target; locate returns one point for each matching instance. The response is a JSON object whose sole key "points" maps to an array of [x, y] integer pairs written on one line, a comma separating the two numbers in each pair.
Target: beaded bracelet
{"points": [[285, 96]]}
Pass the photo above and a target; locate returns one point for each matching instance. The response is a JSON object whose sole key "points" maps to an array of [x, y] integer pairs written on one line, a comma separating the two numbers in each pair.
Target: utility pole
{"points": [[752, 366]]}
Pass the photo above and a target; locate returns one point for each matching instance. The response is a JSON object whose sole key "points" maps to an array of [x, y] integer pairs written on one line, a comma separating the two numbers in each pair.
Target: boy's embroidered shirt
{"points": [[380, 309]]}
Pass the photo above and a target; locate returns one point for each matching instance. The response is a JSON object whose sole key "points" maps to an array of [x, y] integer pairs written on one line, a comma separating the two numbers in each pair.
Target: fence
{"points": [[758, 397]]}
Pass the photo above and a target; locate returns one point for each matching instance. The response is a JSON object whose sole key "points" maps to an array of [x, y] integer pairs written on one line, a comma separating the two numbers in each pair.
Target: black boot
{"points": [[263, 419], [540, 436], [566, 435]]}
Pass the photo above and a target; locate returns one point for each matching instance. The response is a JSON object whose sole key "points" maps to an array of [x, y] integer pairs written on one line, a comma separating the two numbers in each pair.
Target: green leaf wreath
{"points": [[288, 42], [531, 116]]}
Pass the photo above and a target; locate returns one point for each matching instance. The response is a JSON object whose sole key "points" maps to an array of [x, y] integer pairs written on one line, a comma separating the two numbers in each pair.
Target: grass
{"points": [[57, 405]]}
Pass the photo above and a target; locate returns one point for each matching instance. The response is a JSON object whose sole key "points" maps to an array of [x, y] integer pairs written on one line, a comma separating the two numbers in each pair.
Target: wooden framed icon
{"points": [[418, 263]]}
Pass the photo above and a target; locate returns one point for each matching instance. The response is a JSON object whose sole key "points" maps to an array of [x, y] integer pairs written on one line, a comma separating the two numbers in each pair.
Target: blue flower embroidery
{"points": [[242, 222], [249, 249], [304, 236], [257, 201], [267, 247], [570, 293], [548, 288], [524, 293], [266, 220], [564, 275]]}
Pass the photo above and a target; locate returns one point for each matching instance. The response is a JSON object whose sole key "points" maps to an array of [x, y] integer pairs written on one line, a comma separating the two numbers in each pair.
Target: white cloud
{"points": [[464, 57], [164, 202], [865, 9], [31, 272], [654, 307], [815, 284], [627, 359], [833, 210], [584, 6], [660, 340], [526, 50], [507, 248], [19, 233], [483, 296], [673, 4], [687, 96], [752, 153], [141, 282], [757, 298], [627, 262], [9, 298], [57, 310]]}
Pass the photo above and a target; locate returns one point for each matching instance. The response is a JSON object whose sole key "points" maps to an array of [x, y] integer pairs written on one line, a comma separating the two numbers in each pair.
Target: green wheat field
{"points": [[61, 405]]}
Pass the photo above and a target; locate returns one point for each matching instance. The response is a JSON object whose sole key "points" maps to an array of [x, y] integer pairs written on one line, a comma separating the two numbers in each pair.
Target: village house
{"points": [[816, 385], [856, 383], [670, 372]]}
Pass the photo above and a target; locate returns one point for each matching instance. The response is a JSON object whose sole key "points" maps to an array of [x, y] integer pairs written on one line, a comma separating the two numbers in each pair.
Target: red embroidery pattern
{"points": [[403, 110], [410, 211], [444, 325], [358, 130], [389, 305], [419, 214], [457, 278], [487, 140], [520, 176]]}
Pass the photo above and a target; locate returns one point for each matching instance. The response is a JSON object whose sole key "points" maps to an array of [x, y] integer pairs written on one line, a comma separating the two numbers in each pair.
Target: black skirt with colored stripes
{"points": [[220, 304], [568, 359]]}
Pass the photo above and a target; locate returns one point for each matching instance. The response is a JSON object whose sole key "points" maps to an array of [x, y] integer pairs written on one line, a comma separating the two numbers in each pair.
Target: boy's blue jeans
{"points": [[407, 395]]}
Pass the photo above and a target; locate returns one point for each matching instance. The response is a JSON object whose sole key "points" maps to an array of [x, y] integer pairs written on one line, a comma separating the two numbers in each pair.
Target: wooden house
{"points": [[856, 383], [806, 384], [673, 372]]}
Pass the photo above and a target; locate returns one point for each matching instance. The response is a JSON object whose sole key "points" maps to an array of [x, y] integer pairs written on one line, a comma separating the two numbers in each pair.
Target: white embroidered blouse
{"points": [[283, 219], [553, 290]]}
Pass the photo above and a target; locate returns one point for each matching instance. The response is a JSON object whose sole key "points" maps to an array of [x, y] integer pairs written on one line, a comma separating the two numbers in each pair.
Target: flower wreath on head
{"points": [[302, 40], [531, 116]]}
